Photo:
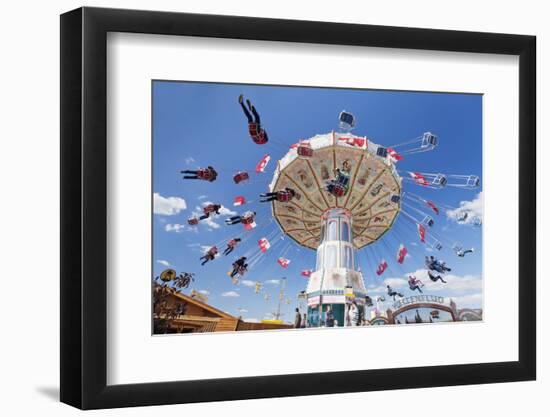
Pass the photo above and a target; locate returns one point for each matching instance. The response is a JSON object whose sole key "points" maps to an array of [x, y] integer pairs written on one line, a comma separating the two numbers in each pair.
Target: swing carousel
{"points": [[337, 193], [335, 224]]}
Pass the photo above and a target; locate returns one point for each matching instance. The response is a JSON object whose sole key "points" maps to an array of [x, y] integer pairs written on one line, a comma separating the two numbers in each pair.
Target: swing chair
{"points": [[428, 221], [429, 141], [304, 150], [168, 275], [395, 198], [346, 121], [240, 177]]}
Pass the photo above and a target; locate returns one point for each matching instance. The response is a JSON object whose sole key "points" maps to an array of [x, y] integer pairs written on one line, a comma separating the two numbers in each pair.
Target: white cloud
{"points": [[230, 294], [205, 248], [396, 282], [175, 227], [204, 292], [473, 209], [375, 290], [224, 211], [211, 224], [163, 262], [189, 160], [465, 290], [272, 282], [248, 283], [167, 206], [468, 301], [242, 310], [202, 197], [455, 284]]}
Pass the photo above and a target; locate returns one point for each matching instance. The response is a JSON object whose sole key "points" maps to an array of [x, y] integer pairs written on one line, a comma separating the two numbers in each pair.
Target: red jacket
{"points": [[206, 174], [284, 196], [210, 208], [247, 218], [257, 133]]}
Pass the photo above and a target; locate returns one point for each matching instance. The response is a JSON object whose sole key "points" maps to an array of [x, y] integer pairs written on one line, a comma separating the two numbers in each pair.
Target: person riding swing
{"points": [[255, 130], [282, 196]]}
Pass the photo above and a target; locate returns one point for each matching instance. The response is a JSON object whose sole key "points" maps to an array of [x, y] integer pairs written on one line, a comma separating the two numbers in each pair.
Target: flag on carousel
{"points": [[307, 272], [432, 206], [421, 232], [283, 262], [354, 141], [264, 244], [401, 254], [239, 201], [419, 178], [394, 156], [381, 267], [260, 167]]}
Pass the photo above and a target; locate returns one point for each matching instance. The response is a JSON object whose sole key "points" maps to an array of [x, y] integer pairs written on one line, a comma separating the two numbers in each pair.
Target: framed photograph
{"points": [[261, 208]]}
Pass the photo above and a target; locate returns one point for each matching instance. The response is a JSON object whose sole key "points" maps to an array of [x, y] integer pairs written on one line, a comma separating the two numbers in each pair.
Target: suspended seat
{"points": [[429, 140], [304, 150], [338, 190], [382, 152], [440, 180], [428, 221], [346, 120], [247, 220], [192, 221], [240, 177], [472, 181], [168, 275], [462, 216]]}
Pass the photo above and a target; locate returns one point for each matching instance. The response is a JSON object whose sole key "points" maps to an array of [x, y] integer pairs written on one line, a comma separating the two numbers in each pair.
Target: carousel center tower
{"points": [[336, 218]]}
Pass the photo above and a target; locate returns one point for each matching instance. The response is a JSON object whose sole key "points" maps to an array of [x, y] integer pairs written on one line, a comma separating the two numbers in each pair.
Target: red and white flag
{"points": [[394, 156], [432, 206], [381, 267], [421, 232], [401, 254], [260, 167], [419, 178], [353, 141], [283, 262], [250, 226], [307, 272], [239, 201], [264, 244]]}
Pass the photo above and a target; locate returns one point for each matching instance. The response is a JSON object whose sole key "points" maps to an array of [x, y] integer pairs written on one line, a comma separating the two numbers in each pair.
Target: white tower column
{"points": [[336, 281]]}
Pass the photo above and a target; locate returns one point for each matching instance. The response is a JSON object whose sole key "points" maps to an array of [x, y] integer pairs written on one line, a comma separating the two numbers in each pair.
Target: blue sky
{"points": [[200, 124]]}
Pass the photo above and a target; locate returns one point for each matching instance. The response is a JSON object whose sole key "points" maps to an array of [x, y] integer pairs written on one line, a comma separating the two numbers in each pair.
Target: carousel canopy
{"points": [[373, 181]]}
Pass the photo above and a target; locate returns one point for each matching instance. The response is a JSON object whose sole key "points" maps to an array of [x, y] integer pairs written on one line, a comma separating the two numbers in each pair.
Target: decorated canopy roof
{"points": [[373, 182]]}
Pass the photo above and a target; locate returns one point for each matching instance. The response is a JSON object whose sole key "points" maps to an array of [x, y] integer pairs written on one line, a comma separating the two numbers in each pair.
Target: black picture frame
{"points": [[84, 207]]}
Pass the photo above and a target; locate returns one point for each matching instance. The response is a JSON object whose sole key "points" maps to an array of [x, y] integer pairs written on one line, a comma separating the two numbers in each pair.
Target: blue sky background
{"points": [[200, 124]]}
